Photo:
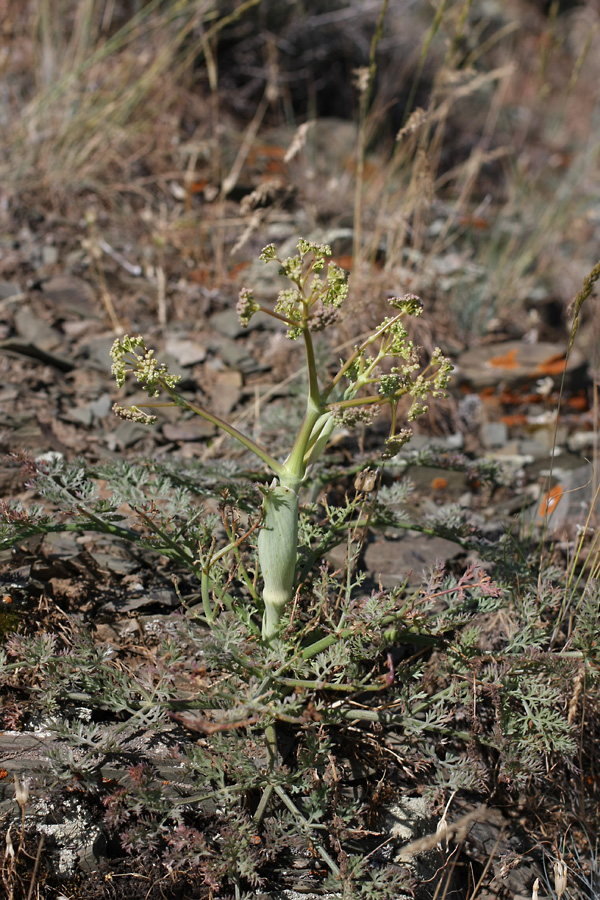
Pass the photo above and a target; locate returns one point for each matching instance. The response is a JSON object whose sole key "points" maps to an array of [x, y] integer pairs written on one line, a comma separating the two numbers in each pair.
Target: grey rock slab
{"points": [[409, 819], [226, 322], [582, 441], [329, 151], [394, 561], [23, 753], [126, 434], [163, 596], [69, 294], [406, 821], [97, 349], [511, 458], [77, 840], [119, 565], [81, 414], [515, 361], [9, 289], [49, 255], [101, 407], [428, 480], [35, 330], [567, 503], [76, 836], [77, 328], [11, 479], [532, 448], [138, 600], [444, 442], [33, 351], [493, 434], [27, 433], [63, 546], [226, 391], [186, 352], [226, 400], [188, 430], [510, 867], [290, 894], [236, 355]]}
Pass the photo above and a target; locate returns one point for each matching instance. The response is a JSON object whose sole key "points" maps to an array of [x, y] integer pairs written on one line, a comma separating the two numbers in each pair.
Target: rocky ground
{"points": [[57, 396], [165, 253]]}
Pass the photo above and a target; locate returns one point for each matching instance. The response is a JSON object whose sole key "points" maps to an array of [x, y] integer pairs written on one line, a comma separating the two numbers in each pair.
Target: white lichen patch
{"points": [[73, 838]]}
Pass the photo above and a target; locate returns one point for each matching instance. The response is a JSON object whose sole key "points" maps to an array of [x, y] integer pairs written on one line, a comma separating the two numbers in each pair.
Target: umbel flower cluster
{"points": [[381, 370]]}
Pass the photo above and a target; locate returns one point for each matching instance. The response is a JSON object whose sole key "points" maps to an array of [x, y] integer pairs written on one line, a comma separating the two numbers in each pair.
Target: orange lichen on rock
{"points": [[579, 402], [514, 419], [508, 361], [554, 365], [345, 262], [196, 187], [238, 268], [439, 484], [550, 501], [510, 398], [266, 151], [477, 222]]}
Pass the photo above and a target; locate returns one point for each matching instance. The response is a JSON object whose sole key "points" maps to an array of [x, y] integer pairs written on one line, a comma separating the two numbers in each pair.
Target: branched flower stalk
{"points": [[380, 371]]}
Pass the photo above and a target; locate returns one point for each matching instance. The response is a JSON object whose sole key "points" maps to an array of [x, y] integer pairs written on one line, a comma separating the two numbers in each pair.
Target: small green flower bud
{"points": [[416, 410], [322, 318], [394, 444], [390, 384], [246, 307], [409, 304], [337, 286], [133, 414], [353, 415], [319, 251], [268, 253], [289, 305]]}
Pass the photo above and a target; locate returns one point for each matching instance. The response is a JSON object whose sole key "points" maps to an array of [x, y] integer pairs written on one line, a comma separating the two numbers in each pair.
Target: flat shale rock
{"points": [[73, 296], [512, 362], [392, 561], [188, 430]]}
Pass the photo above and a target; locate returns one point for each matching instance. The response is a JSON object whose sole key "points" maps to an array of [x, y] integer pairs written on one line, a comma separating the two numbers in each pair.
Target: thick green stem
{"points": [[295, 465], [277, 553], [311, 367], [278, 537]]}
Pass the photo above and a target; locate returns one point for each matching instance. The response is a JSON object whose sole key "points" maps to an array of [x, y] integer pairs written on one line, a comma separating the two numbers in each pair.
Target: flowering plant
{"points": [[382, 368]]}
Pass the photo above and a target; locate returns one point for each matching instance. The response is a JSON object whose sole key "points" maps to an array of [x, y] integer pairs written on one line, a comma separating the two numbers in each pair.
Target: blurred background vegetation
{"points": [[449, 147]]}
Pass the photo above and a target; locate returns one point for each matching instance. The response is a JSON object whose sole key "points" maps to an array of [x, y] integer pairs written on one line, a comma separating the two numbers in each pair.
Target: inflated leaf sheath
{"points": [[277, 551]]}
